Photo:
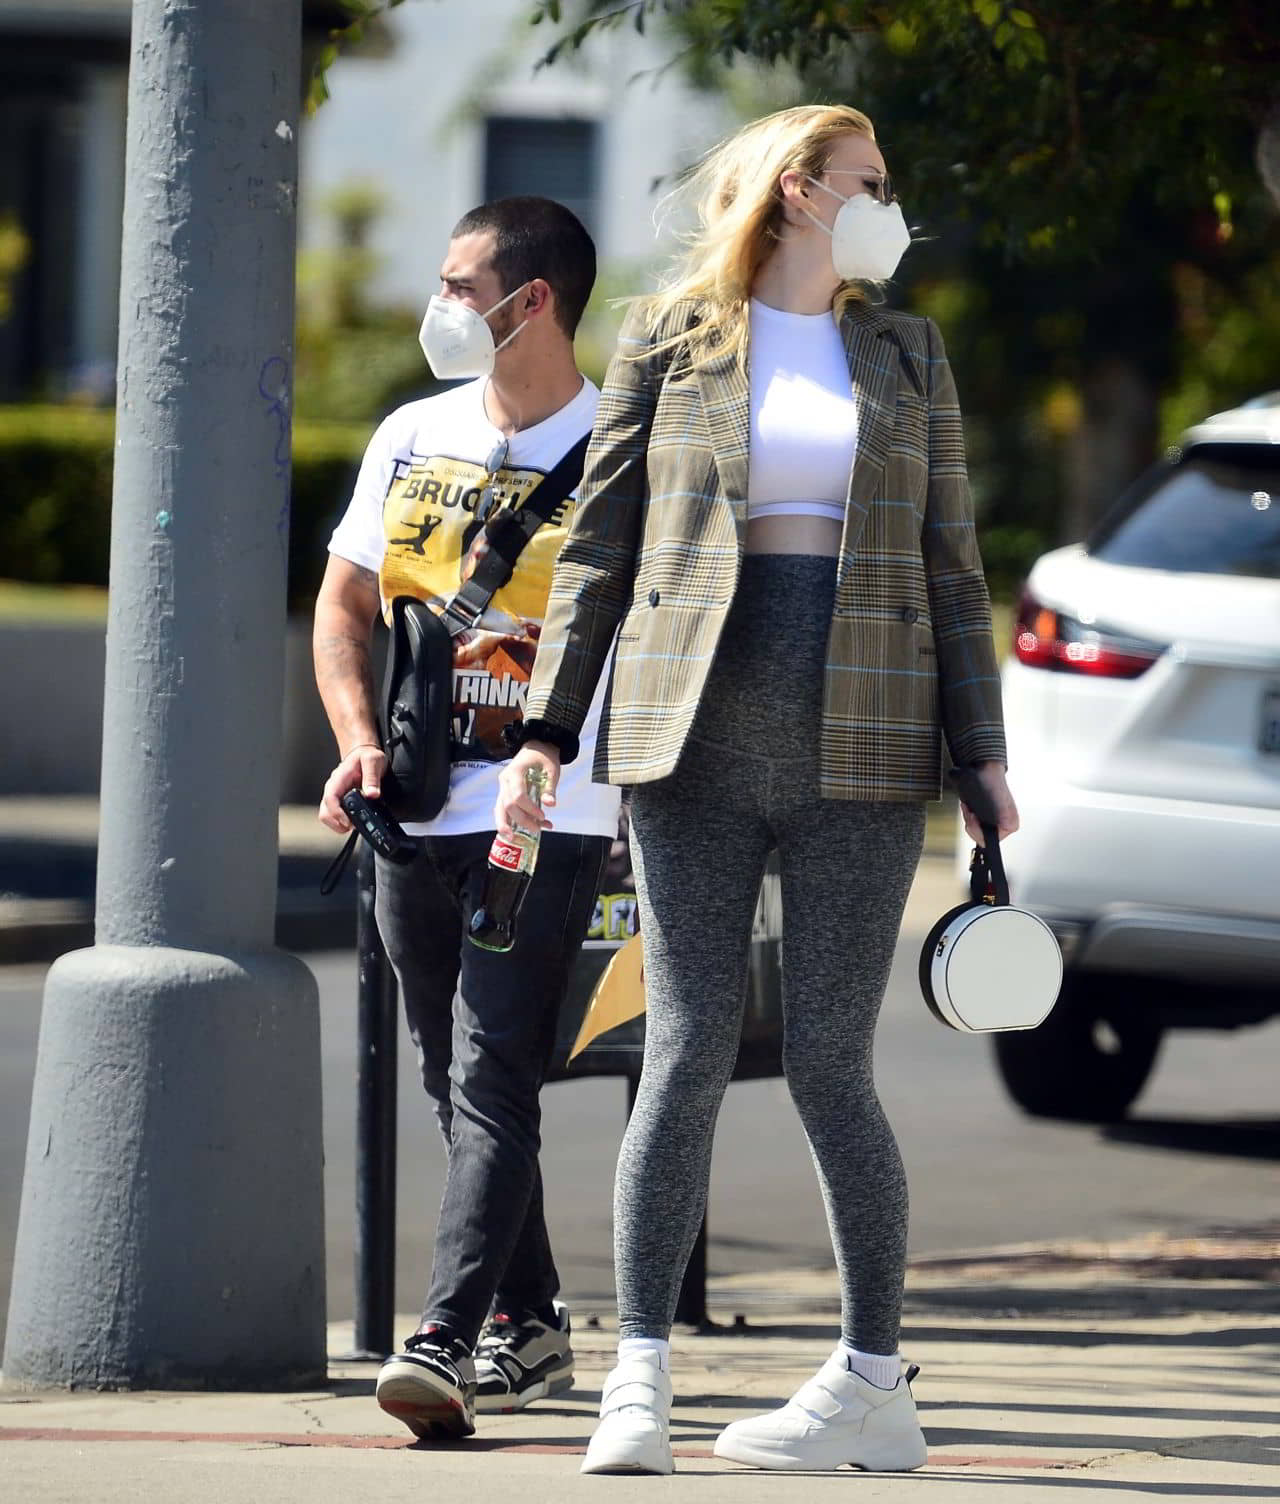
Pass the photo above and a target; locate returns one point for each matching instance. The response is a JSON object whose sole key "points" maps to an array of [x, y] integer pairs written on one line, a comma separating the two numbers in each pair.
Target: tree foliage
{"points": [[362, 14], [1039, 120]]}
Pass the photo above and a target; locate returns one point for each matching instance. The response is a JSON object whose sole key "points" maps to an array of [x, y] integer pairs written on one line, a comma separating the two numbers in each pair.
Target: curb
{"points": [[38, 931]]}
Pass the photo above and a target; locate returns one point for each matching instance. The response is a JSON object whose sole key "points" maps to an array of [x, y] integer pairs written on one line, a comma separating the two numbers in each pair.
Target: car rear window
{"points": [[1216, 512]]}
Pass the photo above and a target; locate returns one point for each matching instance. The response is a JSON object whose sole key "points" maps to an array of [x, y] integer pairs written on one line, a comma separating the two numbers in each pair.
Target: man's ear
{"points": [[538, 298]]}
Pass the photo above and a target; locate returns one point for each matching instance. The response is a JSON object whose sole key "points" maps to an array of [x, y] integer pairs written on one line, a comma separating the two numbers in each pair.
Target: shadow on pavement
{"points": [[1024, 1336], [1243, 1449], [1091, 1481], [1242, 1138], [1135, 1412], [1103, 1301]]}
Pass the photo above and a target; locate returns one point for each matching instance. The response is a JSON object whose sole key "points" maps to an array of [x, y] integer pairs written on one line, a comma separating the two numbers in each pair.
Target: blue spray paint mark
{"points": [[274, 389]]}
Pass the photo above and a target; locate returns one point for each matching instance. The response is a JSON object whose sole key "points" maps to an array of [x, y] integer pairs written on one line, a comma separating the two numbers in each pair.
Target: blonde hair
{"points": [[739, 208]]}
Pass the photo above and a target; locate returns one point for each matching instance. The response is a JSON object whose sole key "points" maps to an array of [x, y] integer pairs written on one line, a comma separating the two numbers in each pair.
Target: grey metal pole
{"points": [[171, 1233]]}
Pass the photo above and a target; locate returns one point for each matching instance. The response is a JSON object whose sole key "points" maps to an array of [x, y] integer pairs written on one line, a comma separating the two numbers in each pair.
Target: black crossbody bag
{"points": [[416, 713]]}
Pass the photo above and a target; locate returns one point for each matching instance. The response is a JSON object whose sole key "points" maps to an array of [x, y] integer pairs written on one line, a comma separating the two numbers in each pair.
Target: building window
{"points": [[551, 157]]}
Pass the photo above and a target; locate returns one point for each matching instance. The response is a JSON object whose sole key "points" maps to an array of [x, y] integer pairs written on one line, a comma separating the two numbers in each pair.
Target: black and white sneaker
{"points": [[521, 1359], [431, 1386]]}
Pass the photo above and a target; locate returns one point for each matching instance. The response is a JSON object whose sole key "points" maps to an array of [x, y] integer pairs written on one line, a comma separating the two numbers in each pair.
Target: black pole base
{"points": [[377, 1022]]}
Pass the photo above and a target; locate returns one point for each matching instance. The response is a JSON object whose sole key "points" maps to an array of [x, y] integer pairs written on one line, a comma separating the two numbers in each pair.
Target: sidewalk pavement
{"points": [[1148, 1368]]}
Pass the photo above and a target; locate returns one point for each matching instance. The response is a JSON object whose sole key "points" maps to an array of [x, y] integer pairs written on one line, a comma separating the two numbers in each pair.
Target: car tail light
{"points": [[1044, 638]]}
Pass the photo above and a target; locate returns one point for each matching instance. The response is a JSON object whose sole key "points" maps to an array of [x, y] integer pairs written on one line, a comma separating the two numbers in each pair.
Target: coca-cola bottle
{"points": [[511, 864]]}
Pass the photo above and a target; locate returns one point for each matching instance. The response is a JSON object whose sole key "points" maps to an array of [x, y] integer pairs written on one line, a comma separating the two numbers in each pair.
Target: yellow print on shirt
{"points": [[431, 530]]}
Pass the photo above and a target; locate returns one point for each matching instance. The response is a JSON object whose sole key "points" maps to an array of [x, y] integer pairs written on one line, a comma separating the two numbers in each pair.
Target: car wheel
{"points": [[1089, 1059]]}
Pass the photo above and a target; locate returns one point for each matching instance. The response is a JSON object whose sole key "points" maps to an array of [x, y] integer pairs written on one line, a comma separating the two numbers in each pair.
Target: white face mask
{"points": [[458, 341], [868, 238]]}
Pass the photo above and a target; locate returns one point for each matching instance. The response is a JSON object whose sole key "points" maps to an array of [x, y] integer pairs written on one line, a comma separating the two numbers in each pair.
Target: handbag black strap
{"points": [[987, 880], [507, 534]]}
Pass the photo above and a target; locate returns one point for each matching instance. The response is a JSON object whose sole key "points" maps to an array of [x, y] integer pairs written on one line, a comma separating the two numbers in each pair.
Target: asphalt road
{"points": [[1201, 1148]]}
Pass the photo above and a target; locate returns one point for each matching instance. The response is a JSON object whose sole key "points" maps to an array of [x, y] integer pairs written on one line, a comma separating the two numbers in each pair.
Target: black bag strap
{"points": [[507, 532], [987, 880], [333, 872]]}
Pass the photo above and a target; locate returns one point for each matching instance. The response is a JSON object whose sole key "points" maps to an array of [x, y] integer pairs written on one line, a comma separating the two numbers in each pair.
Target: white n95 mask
{"points": [[868, 238], [458, 341]]}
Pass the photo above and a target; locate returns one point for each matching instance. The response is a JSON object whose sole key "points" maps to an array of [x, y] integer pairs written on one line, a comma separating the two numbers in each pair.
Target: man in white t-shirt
{"points": [[514, 283]]}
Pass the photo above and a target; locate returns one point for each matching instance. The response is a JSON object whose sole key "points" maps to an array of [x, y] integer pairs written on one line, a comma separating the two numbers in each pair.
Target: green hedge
{"points": [[55, 482], [55, 486]]}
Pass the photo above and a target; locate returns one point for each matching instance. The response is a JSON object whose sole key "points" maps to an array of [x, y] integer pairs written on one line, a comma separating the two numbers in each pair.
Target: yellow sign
{"points": [[619, 995]]}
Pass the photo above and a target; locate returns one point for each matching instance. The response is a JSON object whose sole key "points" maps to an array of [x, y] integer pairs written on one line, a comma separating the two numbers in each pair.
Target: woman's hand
{"points": [[991, 776], [514, 806]]}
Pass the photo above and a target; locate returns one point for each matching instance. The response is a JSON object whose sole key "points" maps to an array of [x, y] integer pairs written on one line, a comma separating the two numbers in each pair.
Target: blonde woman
{"points": [[776, 526]]}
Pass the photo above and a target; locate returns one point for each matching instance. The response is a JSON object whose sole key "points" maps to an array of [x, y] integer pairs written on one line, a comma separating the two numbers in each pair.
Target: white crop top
{"points": [[804, 426]]}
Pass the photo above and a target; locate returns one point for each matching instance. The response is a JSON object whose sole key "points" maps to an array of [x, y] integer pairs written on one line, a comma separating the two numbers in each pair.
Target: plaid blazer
{"points": [[654, 549]]}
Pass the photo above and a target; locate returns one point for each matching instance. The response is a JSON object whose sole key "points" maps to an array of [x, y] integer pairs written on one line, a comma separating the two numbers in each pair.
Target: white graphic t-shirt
{"points": [[412, 521]]}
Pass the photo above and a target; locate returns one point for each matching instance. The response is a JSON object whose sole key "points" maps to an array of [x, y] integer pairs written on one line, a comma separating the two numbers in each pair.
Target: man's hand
{"points": [[514, 806], [991, 775], [361, 768]]}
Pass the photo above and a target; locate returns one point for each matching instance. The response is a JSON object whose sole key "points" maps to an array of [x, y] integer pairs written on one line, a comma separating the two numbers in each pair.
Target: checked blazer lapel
{"points": [[726, 398], [874, 364]]}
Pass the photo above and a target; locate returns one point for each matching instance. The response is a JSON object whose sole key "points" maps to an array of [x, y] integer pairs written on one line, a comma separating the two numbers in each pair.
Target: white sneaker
{"points": [[634, 1434], [835, 1418]]}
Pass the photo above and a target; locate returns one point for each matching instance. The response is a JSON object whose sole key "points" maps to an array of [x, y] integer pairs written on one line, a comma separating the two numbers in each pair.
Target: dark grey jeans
{"points": [[484, 1025]]}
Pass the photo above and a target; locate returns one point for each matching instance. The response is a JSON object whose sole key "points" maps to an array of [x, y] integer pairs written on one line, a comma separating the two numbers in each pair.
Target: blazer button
{"points": [[654, 597], [910, 614]]}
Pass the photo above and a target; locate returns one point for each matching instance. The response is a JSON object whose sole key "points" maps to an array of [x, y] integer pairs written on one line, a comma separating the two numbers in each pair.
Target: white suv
{"points": [[1142, 698]]}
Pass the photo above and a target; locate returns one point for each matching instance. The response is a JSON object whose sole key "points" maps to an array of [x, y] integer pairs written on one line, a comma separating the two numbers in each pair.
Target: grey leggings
{"points": [[748, 781]]}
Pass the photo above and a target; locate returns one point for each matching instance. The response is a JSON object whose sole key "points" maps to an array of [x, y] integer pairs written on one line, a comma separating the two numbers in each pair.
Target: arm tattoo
{"points": [[344, 670], [344, 677], [344, 663]]}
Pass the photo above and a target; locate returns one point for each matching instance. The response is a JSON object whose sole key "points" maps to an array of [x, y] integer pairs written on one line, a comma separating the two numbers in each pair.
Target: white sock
{"points": [[634, 1347], [883, 1372]]}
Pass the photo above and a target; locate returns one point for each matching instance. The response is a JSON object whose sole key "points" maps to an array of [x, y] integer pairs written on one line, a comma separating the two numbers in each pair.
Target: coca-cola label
{"points": [[508, 854]]}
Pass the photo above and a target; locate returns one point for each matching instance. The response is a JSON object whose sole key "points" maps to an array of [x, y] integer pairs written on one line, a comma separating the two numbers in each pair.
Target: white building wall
{"points": [[96, 294], [411, 125]]}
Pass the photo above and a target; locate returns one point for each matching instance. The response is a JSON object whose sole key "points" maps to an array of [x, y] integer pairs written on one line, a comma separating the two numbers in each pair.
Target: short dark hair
{"points": [[536, 237]]}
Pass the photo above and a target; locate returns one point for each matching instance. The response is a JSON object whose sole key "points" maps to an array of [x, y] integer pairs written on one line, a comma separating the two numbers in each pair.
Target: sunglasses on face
{"points": [[878, 184]]}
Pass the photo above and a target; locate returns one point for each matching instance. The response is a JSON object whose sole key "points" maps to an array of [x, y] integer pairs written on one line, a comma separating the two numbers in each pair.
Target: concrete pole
{"points": [[171, 1233]]}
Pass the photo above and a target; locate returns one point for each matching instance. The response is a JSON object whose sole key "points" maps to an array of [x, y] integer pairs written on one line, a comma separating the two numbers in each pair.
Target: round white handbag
{"points": [[988, 965]]}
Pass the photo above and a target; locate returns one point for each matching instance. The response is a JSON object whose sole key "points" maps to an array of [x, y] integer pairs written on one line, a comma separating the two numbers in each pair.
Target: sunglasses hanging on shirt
{"points": [[490, 496]]}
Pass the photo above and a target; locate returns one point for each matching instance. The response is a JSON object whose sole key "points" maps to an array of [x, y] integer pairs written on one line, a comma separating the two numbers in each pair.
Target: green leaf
{"points": [[900, 38]]}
